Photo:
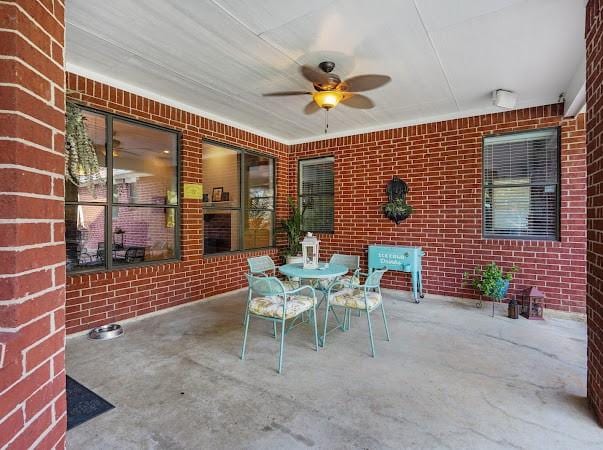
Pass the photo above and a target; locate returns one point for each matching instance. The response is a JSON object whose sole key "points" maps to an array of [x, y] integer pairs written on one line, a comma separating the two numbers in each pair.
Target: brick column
{"points": [[32, 252], [594, 127]]}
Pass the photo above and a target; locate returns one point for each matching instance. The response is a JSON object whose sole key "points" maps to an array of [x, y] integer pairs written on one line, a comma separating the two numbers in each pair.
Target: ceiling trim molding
{"points": [[408, 123], [78, 70]]}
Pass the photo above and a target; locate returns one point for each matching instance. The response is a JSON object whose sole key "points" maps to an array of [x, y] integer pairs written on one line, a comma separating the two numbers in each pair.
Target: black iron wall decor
{"points": [[396, 208]]}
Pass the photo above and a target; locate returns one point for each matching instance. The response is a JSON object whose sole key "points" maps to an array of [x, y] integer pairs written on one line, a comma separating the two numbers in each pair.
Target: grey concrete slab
{"points": [[452, 377]]}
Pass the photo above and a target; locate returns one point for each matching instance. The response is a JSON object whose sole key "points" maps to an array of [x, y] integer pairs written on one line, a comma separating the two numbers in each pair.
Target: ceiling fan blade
{"points": [[314, 74], [357, 101], [311, 108], [363, 83], [285, 93]]}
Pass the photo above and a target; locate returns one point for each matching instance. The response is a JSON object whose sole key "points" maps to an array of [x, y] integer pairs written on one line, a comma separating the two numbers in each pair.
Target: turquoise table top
{"points": [[325, 270]]}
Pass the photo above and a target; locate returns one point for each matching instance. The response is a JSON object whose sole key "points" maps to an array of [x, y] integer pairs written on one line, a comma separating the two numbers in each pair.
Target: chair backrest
{"points": [[134, 254], [352, 262], [265, 286], [374, 278], [260, 264]]}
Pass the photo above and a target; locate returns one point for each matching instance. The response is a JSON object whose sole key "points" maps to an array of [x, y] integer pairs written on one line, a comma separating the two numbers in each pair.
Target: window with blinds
{"points": [[521, 185], [316, 194]]}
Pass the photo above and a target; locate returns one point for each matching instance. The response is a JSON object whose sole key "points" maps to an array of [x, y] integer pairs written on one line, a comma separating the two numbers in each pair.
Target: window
{"points": [[134, 217], [238, 199], [521, 185], [316, 194]]}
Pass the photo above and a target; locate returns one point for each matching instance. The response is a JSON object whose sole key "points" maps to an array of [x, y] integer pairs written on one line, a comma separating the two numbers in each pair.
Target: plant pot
{"points": [[503, 288], [297, 259], [398, 217]]}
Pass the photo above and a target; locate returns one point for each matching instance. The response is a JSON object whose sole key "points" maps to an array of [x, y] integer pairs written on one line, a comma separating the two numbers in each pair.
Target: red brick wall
{"points": [[594, 126], [441, 162], [32, 251], [100, 298]]}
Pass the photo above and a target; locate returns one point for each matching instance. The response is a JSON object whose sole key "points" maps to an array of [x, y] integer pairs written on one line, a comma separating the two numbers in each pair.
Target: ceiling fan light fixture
{"points": [[327, 99]]}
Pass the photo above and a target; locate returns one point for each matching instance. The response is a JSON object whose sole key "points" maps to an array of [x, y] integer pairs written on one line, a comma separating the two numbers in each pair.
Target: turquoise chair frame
{"points": [[372, 284], [265, 286]]}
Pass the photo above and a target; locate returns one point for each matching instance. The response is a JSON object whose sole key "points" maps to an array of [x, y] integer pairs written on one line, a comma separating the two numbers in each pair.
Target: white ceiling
{"points": [[217, 57]]}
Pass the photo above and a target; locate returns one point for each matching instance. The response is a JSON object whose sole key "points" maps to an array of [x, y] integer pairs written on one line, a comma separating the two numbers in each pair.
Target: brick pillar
{"points": [[594, 127], [32, 253]]}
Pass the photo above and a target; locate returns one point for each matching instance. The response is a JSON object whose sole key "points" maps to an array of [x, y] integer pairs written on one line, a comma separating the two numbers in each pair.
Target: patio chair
{"points": [[352, 262], [264, 266], [269, 299], [362, 297]]}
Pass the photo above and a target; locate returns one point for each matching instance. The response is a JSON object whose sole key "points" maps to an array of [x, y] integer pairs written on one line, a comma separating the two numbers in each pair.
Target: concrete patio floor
{"points": [[452, 377]]}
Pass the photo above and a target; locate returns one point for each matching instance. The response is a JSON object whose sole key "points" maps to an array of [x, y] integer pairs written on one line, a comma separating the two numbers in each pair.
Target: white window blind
{"points": [[316, 192], [521, 185]]}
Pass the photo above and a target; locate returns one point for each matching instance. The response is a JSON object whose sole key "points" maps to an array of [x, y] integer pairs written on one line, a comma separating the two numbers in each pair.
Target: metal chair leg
{"points": [[282, 349], [385, 321], [368, 317], [324, 333], [315, 326], [245, 333], [274, 330]]}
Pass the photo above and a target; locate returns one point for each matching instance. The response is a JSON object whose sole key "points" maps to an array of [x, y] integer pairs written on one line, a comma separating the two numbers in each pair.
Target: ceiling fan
{"points": [[330, 90]]}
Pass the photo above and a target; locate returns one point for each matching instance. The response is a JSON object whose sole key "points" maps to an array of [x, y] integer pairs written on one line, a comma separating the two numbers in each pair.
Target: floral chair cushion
{"points": [[355, 298], [323, 284], [290, 284], [273, 306]]}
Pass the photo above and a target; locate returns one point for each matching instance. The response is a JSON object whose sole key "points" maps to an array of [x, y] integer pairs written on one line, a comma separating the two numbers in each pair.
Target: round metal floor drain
{"points": [[106, 332]]}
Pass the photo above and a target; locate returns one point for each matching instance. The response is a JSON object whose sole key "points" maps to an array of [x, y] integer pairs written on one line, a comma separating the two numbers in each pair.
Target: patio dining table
{"points": [[325, 271]]}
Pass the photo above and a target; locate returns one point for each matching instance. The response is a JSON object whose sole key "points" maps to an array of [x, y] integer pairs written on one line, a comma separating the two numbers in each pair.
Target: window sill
{"points": [[124, 267], [238, 252]]}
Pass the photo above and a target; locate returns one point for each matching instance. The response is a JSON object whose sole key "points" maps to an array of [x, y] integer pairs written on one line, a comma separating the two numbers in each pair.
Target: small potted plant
{"points": [[397, 210], [293, 227], [491, 281]]}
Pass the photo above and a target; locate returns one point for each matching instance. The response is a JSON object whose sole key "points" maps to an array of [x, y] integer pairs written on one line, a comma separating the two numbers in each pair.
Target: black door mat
{"points": [[83, 404]]}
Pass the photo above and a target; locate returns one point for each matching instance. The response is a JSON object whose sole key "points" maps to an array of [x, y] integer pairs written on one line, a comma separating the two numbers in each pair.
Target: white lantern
{"points": [[310, 251]]}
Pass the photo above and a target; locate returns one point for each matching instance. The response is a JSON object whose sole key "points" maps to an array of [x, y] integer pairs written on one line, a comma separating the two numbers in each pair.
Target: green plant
{"points": [[293, 227], [490, 280], [81, 162], [397, 210]]}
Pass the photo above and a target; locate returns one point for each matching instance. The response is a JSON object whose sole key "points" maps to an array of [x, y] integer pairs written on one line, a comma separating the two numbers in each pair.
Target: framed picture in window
{"points": [[216, 194], [205, 198]]}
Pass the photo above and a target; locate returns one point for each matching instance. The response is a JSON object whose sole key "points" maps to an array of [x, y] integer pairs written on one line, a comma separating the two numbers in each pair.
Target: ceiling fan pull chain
{"points": [[326, 120]]}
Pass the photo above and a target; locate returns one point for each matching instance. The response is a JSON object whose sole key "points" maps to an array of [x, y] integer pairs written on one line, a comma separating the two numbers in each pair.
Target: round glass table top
{"points": [[325, 270]]}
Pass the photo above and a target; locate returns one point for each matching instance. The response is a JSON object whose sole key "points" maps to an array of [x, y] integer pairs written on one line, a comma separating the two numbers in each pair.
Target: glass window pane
{"points": [[221, 176], [221, 231], [96, 128], [259, 225], [142, 234], [259, 180], [84, 237], [144, 164], [316, 191]]}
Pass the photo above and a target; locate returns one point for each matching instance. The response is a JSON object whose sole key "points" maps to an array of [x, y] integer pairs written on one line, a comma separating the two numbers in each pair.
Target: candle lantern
{"points": [[310, 251], [532, 304], [514, 309]]}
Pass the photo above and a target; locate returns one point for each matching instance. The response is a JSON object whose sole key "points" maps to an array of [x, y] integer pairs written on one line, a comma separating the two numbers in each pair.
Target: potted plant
{"points": [[81, 161], [491, 281], [293, 227], [397, 210]]}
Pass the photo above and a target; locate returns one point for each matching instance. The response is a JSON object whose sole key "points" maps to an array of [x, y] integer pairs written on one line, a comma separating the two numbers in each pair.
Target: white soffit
{"points": [[217, 57]]}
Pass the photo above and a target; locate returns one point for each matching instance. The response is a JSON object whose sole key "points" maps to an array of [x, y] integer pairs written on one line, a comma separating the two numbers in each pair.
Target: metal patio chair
{"points": [[269, 299], [361, 297], [264, 266]]}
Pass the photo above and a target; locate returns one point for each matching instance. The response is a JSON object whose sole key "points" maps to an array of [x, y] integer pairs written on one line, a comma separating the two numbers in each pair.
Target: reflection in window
{"points": [[142, 200], [233, 221], [84, 231], [142, 234]]}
